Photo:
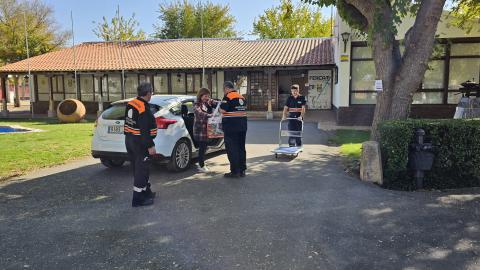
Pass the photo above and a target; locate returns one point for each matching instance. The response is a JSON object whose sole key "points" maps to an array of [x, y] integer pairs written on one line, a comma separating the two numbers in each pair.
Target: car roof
{"points": [[156, 99]]}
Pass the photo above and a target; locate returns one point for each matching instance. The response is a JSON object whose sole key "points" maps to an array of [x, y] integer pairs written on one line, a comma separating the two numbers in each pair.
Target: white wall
{"points": [[341, 89]]}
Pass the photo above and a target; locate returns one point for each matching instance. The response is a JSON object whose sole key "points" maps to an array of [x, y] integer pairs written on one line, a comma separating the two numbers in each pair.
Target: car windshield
{"points": [[117, 111]]}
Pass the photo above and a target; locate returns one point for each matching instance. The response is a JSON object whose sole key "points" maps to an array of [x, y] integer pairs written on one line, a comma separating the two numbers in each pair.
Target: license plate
{"points": [[115, 129]]}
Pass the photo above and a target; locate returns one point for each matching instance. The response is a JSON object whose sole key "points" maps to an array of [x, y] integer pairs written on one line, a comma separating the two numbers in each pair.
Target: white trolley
{"points": [[292, 151]]}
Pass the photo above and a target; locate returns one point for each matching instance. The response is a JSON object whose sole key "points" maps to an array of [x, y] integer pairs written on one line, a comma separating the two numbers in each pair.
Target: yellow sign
{"points": [[344, 58]]}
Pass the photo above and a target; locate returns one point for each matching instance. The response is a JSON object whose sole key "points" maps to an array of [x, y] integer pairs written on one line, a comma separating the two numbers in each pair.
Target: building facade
{"points": [[333, 74]]}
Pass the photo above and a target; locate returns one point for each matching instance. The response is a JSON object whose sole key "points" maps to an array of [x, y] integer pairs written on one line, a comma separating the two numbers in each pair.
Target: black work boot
{"points": [[149, 193], [140, 199]]}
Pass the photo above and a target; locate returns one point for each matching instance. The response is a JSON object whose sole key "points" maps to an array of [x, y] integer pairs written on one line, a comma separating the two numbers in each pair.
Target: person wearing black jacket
{"points": [[234, 125], [140, 129]]}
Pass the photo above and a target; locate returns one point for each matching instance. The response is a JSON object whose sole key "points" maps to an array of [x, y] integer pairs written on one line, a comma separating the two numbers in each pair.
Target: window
{"points": [[160, 84], [43, 88], [197, 83], [363, 82], [213, 87], [364, 98], [432, 90], [114, 87], [433, 78], [57, 84], [144, 78], [86, 87], [462, 49], [428, 98], [131, 84], [463, 69], [363, 75], [98, 89], [70, 90], [116, 112], [361, 52], [178, 83]]}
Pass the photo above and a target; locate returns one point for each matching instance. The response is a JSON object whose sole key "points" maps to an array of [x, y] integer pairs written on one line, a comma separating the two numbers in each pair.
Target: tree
{"points": [[401, 74], [182, 19], [289, 21], [466, 14], [43, 33], [119, 28]]}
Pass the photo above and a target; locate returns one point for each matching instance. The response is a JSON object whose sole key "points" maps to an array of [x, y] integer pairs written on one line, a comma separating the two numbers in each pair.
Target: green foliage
{"points": [[457, 160], [43, 34], [466, 13], [119, 28], [289, 21], [182, 19], [29, 151]]}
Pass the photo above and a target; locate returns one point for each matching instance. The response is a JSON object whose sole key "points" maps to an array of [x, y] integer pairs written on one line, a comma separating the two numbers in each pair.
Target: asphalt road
{"points": [[301, 213]]}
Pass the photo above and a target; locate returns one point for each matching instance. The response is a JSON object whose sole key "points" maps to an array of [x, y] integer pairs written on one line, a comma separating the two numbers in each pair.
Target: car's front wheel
{"points": [[112, 163], [181, 156]]}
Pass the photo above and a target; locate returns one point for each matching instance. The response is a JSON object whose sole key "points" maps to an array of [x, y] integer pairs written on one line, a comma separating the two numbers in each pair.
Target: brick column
{"points": [[4, 95]]}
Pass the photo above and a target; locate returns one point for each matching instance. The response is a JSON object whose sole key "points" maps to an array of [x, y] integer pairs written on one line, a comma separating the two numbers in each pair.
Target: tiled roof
{"points": [[182, 54]]}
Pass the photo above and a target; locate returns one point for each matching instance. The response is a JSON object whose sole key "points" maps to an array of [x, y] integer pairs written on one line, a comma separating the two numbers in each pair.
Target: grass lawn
{"points": [[58, 143], [350, 141]]}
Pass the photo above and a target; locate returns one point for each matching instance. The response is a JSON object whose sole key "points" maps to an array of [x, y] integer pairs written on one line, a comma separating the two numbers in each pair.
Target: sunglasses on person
{"points": [[294, 88]]}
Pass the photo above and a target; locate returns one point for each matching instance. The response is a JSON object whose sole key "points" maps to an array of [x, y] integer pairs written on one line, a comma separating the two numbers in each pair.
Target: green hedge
{"points": [[457, 155]]}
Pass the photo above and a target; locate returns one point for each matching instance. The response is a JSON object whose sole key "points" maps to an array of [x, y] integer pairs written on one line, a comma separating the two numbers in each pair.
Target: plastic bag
{"points": [[214, 124]]}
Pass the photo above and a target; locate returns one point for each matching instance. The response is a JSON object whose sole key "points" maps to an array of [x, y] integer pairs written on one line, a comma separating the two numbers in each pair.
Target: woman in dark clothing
{"points": [[203, 110]]}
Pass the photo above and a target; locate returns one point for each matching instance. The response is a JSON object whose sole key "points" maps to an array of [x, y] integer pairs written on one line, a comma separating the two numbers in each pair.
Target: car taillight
{"points": [[163, 123]]}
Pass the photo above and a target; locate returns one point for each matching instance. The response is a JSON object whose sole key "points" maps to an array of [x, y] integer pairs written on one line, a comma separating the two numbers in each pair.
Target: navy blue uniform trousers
{"points": [[235, 146]]}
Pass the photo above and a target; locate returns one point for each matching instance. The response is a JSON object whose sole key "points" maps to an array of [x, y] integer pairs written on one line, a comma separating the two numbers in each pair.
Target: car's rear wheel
{"points": [[112, 162], [181, 156]]}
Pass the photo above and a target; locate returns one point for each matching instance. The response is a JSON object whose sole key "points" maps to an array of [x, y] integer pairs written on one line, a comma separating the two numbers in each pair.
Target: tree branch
{"points": [[365, 7]]}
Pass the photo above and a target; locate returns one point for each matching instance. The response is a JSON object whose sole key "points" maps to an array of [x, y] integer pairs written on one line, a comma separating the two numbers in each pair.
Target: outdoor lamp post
{"points": [[345, 37]]}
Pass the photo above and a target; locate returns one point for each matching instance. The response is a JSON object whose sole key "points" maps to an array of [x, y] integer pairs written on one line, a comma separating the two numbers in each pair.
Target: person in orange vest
{"points": [[140, 129], [234, 125], [295, 107]]}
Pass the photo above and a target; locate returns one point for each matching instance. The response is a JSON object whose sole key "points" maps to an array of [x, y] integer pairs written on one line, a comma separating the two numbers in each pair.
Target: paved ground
{"points": [[303, 213]]}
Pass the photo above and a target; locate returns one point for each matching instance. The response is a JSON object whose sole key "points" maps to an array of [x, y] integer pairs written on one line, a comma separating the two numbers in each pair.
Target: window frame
{"points": [[446, 57]]}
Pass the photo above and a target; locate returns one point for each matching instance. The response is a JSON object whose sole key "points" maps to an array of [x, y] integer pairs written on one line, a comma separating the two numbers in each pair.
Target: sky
{"points": [[87, 11]]}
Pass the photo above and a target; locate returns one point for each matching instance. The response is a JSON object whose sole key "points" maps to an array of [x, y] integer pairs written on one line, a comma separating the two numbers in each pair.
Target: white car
{"points": [[174, 142]]}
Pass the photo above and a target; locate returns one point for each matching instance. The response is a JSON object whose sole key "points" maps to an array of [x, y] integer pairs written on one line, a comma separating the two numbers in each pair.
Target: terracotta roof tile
{"points": [[181, 54]]}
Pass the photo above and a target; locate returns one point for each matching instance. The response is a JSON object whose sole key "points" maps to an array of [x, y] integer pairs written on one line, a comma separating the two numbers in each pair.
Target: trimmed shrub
{"points": [[457, 152]]}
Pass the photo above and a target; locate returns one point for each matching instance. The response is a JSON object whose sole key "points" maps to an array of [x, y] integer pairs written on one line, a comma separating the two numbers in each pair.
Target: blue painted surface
{"points": [[7, 129]]}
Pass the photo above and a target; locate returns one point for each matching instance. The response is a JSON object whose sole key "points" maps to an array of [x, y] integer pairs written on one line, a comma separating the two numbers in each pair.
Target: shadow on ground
{"points": [[301, 213]]}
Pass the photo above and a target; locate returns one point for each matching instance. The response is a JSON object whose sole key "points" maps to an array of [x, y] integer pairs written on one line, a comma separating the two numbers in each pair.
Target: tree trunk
{"points": [[401, 77], [418, 49], [386, 60]]}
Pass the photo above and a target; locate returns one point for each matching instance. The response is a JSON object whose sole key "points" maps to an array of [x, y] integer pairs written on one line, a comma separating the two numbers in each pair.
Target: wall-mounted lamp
{"points": [[345, 37]]}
